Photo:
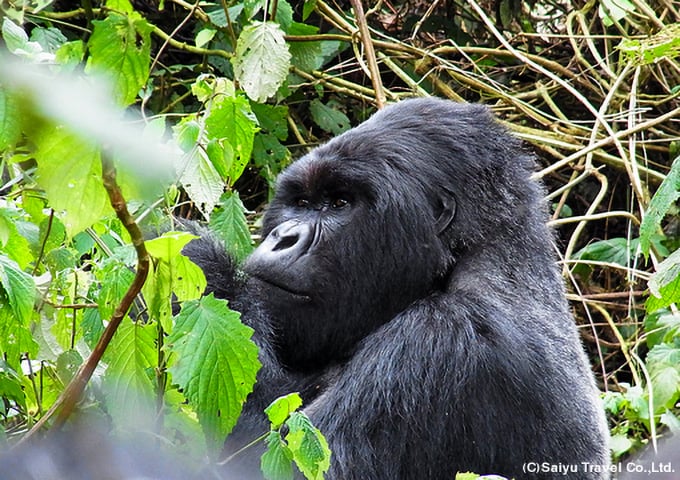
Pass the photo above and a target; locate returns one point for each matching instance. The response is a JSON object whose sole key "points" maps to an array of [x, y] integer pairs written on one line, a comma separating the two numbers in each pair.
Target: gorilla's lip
{"points": [[302, 296]]}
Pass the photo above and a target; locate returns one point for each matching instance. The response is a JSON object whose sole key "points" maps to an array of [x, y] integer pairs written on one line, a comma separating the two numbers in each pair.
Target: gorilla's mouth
{"points": [[296, 294]]}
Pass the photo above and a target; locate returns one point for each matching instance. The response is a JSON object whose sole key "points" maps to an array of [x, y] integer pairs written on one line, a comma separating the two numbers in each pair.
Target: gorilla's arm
{"points": [[455, 370], [223, 277]]}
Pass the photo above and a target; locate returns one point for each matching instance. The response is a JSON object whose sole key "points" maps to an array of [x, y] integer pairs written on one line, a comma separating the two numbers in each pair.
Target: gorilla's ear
{"points": [[445, 210]]}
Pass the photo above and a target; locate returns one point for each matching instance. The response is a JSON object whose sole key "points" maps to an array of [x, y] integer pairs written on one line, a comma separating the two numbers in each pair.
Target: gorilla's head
{"points": [[376, 219]]}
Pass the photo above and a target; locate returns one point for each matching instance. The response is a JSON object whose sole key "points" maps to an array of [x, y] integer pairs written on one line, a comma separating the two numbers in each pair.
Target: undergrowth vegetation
{"points": [[119, 116]]}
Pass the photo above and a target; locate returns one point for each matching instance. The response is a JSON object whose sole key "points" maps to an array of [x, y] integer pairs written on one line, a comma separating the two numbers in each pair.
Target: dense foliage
{"points": [[123, 115]]}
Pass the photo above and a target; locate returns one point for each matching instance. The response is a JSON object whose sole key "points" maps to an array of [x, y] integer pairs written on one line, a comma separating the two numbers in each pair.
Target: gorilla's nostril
{"points": [[286, 242]]}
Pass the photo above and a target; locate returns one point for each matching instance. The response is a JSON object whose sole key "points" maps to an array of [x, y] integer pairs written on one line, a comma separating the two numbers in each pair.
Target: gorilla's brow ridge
{"points": [[325, 178]]}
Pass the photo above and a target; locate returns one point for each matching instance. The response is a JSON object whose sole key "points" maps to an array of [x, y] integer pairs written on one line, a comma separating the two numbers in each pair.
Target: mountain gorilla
{"points": [[406, 286]]}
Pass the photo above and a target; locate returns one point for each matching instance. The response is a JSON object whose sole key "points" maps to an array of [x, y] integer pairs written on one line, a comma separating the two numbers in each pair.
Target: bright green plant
{"points": [[643, 408], [83, 297]]}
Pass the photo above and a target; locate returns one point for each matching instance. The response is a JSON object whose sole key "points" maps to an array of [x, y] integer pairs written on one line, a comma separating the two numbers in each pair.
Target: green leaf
{"points": [[216, 364], [262, 60], [49, 39], [218, 146], [269, 154], [221, 155], [466, 476], [70, 172], [18, 291], [68, 363], [70, 54], [620, 444], [307, 56], [168, 246], [116, 278], [284, 15], [196, 172], [663, 362], [10, 118], [12, 242], [17, 42], [14, 36], [132, 358], [328, 118], [218, 17], [120, 6], [66, 328], [666, 272], [310, 449], [204, 36], [173, 273], [120, 48], [664, 198], [614, 250], [661, 326], [281, 408], [669, 419], [666, 384], [52, 233], [92, 326], [209, 86], [637, 401], [308, 8], [277, 461], [229, 223], [11, 388], [232, 121], [17, 295], [646, 51], [272, 119], [611, 11]]}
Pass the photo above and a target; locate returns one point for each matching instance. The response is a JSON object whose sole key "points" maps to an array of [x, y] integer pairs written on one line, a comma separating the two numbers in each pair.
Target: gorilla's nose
{"points": [[288, 241], [290, 234]]}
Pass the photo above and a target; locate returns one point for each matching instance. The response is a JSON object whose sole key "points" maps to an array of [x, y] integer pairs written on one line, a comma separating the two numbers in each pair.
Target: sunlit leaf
{"points": [[18, 291], [232, 121], [277, 461], [281, 408], [119, 48], [10, 119], [17, 295], [216, 364], [70, 171], [132, 358], [310, 449], [172, 276], [229, 222], [664, 198], [665, 284], [611, 11], [262, 60]]}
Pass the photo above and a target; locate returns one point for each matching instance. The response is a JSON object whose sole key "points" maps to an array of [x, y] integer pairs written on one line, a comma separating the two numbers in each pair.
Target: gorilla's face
{"points": [[347, 244], [305, 226]]}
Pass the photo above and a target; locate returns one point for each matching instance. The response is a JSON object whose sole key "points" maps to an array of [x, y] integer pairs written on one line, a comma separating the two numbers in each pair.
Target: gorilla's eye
{"points": [[302, 202], [339, 203]]}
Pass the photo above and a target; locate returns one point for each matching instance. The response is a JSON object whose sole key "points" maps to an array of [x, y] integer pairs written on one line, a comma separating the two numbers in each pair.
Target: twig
{"points": [[369, 52], [189, 48], [172, 34], [65, 404], [556, 78], [607, 140]]}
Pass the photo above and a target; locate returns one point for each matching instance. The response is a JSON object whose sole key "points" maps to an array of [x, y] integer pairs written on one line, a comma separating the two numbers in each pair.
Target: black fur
{"points": [[406, 285]]}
